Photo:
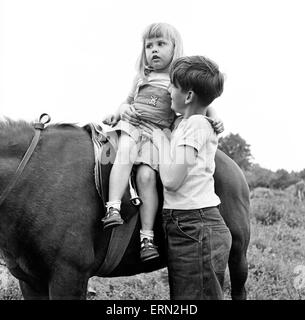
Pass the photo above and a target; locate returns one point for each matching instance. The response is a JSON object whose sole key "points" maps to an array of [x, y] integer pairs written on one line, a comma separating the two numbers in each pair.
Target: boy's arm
{"points": [[173, 170]]}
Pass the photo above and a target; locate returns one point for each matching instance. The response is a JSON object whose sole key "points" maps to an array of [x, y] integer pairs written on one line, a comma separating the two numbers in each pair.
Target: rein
{"points": [[38, 126]]}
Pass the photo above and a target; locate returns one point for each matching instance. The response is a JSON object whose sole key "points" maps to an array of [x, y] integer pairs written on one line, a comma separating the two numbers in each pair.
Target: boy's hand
{"points": [[111, 120], [217, 125], [155, 134]]}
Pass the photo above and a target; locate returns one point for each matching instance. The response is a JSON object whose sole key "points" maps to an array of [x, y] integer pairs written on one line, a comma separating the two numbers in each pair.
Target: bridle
{"points": [[38, 126]]}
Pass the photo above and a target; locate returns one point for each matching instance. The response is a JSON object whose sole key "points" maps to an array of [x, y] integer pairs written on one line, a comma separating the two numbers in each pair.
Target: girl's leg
{"points": [[147, 184], [118, 180], [147, 188]]}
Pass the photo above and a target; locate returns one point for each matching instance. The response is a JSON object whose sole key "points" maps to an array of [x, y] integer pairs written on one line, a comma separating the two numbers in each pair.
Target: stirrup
{"points": [[134, 198], [136, 201]]}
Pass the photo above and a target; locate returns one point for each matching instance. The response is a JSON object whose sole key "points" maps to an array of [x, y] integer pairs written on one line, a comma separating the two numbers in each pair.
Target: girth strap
{"points": [[38, 127]]}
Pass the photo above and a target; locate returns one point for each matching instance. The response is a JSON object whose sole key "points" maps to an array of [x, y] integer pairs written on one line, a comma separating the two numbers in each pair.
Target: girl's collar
{"points": [[148, 70]]}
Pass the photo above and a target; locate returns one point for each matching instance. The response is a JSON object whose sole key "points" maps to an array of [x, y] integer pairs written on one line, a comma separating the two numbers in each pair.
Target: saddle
{"points": [[104, 152]]}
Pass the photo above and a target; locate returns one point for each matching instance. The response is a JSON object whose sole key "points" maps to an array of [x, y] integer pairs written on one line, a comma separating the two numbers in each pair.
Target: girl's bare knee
{"points": [[145, 176]]}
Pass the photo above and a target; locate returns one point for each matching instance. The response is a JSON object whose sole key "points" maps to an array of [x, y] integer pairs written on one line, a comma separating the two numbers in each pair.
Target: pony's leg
{"points": [[29, 293], [68, 283], [238, 267]]}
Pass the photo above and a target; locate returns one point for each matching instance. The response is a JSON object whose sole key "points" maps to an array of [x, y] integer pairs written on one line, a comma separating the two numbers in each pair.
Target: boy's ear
{"points": [[189, 97]]}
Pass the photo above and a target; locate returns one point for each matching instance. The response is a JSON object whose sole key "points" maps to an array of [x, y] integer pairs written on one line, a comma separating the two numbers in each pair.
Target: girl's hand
{"points": [[111, 120], [217, 125], [130, 115]]}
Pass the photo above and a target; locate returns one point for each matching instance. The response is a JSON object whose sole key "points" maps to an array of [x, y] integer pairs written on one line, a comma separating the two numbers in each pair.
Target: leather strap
{"points": [[119, 240], [38, 127]]}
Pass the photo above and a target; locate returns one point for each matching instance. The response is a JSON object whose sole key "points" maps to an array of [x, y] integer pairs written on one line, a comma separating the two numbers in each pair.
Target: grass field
{"points": [[276, 258]]}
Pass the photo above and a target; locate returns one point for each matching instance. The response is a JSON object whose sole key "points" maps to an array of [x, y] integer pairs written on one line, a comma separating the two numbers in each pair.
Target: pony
{"points": [[51, 235]]}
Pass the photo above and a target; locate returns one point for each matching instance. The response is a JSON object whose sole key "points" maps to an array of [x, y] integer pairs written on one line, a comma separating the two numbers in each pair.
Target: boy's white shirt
{"points": [[197, 188]]}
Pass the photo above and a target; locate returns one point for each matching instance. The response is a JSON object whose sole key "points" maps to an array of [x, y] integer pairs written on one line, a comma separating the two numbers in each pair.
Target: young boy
{"points": [[198, 241]]}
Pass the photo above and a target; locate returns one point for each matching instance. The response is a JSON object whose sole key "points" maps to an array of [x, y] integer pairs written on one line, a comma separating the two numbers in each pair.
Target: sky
{"points": [[75, 60]]}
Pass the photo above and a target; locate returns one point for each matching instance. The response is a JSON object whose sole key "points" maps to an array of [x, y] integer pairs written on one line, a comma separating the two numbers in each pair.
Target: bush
{"points": [[268, 278], [262, 193], [267, 212], [293, 220], [257, 176]]}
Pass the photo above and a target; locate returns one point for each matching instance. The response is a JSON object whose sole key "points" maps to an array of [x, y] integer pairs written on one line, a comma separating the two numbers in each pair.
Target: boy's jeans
{"points": [[198, 244]]}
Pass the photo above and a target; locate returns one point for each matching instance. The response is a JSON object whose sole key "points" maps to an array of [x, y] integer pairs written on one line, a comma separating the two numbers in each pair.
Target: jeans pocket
{"points": [[221, 241], [192, 229]]}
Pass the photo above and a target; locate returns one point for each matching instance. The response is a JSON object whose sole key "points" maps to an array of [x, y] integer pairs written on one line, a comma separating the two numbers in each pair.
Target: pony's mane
{"points": [[9, 124], [17, 125]]}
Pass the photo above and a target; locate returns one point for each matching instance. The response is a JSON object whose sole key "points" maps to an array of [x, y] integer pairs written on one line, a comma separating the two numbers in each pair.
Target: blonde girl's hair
{"points": [[156, 30]]}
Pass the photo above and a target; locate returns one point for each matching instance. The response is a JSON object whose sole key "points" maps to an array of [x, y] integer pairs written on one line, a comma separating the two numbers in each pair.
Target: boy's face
{"points": [[159, 53], [178, 99]]}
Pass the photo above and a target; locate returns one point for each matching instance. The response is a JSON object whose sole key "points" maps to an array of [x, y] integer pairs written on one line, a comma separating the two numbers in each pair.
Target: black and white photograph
{"points": [[152, 151]]}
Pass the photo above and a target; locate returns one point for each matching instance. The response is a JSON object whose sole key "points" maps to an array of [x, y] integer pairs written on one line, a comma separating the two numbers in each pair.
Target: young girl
{"points": [[198, 241], [148, 102]]}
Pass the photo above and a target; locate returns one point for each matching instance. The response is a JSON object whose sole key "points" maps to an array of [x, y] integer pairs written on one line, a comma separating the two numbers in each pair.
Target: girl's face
{"points": [[159, 53]]}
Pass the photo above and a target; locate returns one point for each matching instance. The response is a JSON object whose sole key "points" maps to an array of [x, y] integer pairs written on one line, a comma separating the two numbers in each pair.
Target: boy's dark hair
{"points": [[199, 74]]}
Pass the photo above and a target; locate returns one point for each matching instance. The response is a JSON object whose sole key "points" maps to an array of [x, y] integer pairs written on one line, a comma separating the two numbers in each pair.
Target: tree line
{"points": [[239, 150]]}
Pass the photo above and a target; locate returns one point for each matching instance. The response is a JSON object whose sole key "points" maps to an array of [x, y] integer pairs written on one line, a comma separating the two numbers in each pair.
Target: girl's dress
{"points": [[153, 100]]}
